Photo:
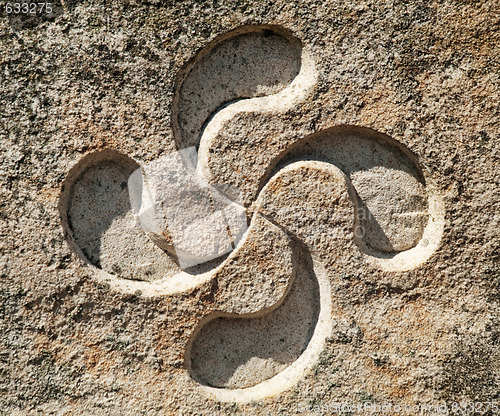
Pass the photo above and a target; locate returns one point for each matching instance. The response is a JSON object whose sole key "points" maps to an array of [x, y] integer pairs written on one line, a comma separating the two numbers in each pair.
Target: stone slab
{"points": [[361, 140]]}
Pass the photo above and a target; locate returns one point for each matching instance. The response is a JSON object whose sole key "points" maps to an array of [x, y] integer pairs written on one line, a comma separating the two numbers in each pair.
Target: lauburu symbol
{"points": [[271, 226]]}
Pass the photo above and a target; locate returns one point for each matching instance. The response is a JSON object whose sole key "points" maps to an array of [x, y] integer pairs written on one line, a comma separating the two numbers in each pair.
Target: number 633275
{"points": [[28, 8]]}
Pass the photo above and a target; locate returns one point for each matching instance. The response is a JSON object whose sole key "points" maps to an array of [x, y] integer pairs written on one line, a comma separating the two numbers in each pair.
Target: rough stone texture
{"points": [[407, 312]]}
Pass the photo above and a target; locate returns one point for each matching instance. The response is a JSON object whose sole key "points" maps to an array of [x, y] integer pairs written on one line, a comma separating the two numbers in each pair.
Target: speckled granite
{"points": [[363, 139]]}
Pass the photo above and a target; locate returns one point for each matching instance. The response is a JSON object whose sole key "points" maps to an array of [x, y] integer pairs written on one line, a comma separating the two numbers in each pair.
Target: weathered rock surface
{"points": [[363, 141]]}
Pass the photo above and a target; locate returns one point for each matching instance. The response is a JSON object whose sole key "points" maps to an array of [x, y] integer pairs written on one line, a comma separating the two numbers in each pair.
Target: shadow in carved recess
{"points": [[99, 223], [252, 61], [235, 353], [392, 200]]}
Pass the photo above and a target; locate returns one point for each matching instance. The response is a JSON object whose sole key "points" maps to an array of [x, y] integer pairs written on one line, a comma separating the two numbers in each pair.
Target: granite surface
{"points": [[362, 140]]}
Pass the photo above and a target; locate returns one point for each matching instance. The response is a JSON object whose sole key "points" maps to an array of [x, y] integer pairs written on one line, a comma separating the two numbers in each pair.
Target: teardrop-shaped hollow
{"points": [[252, 61], [392, 199], [235, 352], [99, 223]]}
